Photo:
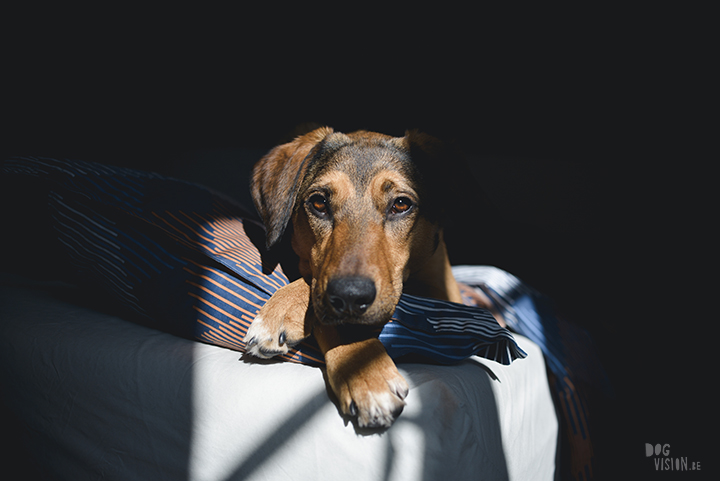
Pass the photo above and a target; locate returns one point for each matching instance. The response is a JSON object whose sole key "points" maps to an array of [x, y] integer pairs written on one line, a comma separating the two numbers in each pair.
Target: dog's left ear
{"points": [[276, 179]]}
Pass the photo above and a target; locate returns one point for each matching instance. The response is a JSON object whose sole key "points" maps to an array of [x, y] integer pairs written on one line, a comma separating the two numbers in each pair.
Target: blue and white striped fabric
{"points": [[465, 328], [178, 255]]}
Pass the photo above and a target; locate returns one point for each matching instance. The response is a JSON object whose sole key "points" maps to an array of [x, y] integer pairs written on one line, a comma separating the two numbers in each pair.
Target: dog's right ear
{"points": [[276, 179]]}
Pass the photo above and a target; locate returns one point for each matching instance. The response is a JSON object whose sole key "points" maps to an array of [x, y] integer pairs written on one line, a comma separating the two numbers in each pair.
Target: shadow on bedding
{"points": [[475, 434], [78, 379], [457, 431]]}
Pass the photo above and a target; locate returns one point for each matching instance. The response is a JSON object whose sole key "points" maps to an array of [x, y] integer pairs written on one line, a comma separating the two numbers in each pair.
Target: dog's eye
{"points": [[318, 203], [400, 205]]}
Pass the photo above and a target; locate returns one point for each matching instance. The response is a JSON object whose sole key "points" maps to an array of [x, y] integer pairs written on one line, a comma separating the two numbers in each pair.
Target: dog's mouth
{"points": [[352, 300]]}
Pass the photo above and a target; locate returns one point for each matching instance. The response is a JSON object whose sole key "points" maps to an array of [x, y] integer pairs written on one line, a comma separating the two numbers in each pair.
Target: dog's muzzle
{"points": [[348, 298]]}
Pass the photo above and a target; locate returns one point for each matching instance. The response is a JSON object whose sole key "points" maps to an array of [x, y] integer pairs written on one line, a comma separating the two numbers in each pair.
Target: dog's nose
{"points": [[350, 295]]}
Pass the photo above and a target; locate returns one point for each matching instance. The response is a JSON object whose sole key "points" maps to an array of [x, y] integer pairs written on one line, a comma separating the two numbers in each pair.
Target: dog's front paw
{"points": [[266, 340], [367, 383], [281, 322]]}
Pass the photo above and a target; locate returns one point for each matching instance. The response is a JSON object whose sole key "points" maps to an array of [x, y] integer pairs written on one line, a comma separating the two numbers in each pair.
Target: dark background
{"points": [[589, 136]]}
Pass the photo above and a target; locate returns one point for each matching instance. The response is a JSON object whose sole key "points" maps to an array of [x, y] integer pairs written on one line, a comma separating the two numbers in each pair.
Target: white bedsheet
{"points": [[103, 397]]}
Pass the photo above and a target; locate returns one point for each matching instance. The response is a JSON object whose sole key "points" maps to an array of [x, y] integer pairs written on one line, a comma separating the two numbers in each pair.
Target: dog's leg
{"points": [[363, 377], [282, 322]]}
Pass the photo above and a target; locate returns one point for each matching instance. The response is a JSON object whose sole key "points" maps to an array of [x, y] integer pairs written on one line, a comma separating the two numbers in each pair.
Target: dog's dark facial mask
{"points": [[361, 223]]}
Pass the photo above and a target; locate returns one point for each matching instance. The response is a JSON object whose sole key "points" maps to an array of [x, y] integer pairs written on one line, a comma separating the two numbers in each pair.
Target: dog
{"points": [[366, 225]]}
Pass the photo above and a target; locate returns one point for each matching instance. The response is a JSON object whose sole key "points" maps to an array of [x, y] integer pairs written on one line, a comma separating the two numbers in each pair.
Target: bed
{"points": [[100, 397], [103, 398]]}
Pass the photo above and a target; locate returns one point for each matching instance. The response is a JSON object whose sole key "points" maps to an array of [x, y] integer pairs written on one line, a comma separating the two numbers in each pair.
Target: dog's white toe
{"points": [[381, 411], [263, 342]]}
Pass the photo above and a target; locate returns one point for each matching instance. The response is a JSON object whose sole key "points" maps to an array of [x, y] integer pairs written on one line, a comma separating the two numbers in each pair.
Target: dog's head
{"points": [[363, 215]]}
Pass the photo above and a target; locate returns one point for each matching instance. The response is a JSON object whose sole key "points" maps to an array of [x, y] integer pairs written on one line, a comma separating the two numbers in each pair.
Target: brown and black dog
{"points": [[366, 226]]}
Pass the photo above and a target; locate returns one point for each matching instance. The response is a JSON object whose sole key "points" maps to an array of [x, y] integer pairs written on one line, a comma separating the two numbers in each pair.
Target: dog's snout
{"points": [[349, 296]]}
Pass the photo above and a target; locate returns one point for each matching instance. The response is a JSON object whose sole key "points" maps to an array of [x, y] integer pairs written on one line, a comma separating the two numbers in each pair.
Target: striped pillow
{"points": [[179, 255]]}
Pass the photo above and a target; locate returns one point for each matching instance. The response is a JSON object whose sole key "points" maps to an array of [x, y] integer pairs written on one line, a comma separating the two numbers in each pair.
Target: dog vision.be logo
{"points": [[664, 462]]}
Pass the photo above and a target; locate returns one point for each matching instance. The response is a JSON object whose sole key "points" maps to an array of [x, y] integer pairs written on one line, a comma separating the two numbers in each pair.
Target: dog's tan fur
{"points": [[346, 198]]}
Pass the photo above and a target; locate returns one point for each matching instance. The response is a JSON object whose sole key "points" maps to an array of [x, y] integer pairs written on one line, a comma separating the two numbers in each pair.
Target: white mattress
{"points": [[103, 397]]}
